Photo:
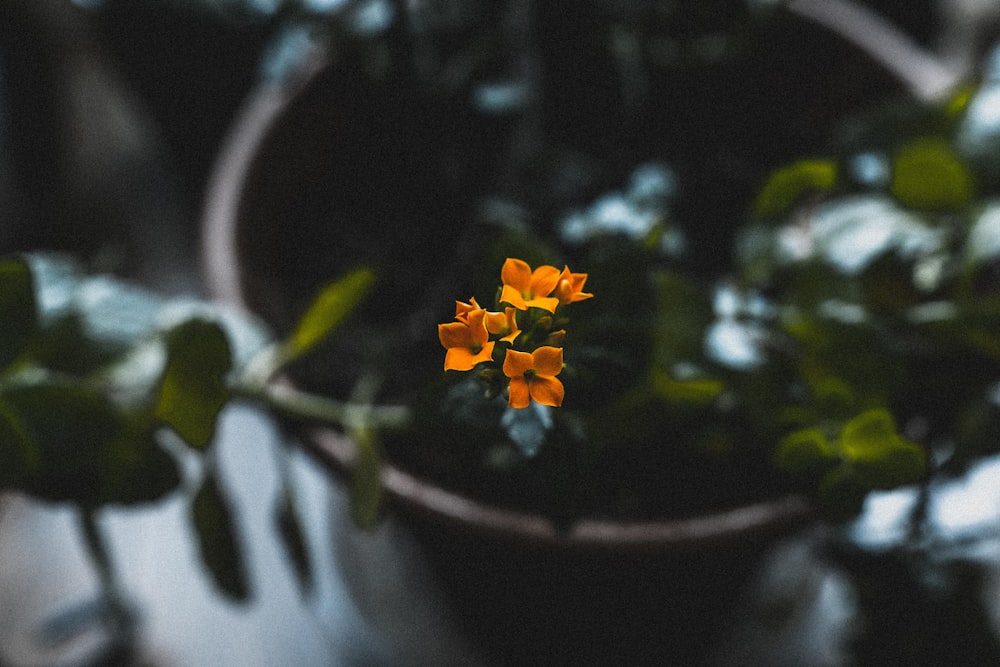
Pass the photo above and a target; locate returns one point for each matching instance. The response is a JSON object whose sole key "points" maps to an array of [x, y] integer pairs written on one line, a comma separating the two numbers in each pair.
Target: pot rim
{"points": [[421, 497]]}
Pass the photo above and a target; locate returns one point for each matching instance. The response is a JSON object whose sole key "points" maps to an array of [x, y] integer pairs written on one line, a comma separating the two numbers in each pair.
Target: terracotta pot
{"points": [[514, 585]]}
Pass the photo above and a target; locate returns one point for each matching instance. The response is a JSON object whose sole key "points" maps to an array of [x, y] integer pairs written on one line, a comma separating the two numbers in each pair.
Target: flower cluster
{"points": [[520, 343]]}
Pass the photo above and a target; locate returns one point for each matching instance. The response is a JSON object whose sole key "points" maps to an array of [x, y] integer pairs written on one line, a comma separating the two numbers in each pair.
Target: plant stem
{"points": [[299, 405], [120, 614]]}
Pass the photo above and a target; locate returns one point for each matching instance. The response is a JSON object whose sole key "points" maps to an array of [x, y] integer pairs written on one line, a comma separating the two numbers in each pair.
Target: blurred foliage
{"points": [[97, 372]]}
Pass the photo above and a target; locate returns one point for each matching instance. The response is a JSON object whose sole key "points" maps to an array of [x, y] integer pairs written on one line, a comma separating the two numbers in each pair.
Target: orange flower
{"points": [[463, 309], [569, 289], [533, 376], [504, 324], [467, 342], [524, 288]]}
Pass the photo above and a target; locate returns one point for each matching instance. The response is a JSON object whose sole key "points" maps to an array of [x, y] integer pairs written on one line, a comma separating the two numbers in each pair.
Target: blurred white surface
{"points": [[184, 622]]}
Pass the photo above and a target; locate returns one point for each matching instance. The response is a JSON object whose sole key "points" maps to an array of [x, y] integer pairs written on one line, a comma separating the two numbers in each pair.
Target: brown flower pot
{"points": [[515, 585]]}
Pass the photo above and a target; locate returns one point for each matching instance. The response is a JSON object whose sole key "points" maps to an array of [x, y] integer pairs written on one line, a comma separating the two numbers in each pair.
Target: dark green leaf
{"points": [[683, 311], [88, 451], [366, 485], [842, 494], [193, 389], [19, 454], [18, 311], [217, 540], [290, 529]]}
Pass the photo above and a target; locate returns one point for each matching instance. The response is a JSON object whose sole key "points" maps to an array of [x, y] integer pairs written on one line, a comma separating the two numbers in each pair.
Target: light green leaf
{"points": [[193, 389], [788, 185], [929, 175], [691, 391], [333, 303], [881, 457], [868, 434], [803, 452]]}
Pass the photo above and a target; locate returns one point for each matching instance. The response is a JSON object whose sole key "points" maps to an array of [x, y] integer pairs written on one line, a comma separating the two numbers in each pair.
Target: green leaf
{"points": [[333, 303], [842, 494], [929, 175], [867, 435], [683, 312], [803, 452], [366, 485], [18, 310], [193, 388], [218, 545], [80, 447], [881, 457], [19, 455], [787, 186], [695, 391], [290, 529]]}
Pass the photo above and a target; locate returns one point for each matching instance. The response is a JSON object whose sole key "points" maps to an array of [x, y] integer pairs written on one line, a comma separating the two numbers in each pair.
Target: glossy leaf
{"points": [[787, 186], [929, 175], [18, 314], [327, 311], [290, 529], [218, 543], [193, 388]]}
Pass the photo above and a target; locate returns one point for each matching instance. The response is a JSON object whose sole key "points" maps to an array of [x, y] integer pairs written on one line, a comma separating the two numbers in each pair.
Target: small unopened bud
{"points": [[492, 382], [555, 339]]}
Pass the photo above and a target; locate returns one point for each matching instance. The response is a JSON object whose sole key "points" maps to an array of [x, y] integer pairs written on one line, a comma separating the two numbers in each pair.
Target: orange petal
{"points": [[496, 323], [570, 287], [455, 334], [464, 359], [513, 296], [543, 280], [518, 393], [548, 303], [547, 361], [462, 309], [516, 273], [477, 325], [546, 390], [516, 363]]}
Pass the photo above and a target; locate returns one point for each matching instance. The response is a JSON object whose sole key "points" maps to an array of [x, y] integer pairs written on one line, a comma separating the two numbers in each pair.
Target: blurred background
{"points": [[113, 114]]}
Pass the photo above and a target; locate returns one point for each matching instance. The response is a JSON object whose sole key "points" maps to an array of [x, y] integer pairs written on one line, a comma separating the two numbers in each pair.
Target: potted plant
{"points": [[696, 415], [579, 476]]}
